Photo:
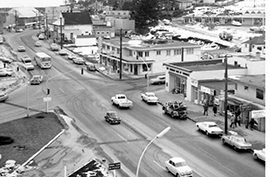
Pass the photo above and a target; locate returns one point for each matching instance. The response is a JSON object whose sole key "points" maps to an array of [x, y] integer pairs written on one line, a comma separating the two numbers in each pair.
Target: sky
{"points": [[30, 3]]}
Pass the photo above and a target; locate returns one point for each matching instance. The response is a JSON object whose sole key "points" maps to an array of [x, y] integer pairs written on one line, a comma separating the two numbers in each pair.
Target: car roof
{"points": [[149, 93], [177, 159]]}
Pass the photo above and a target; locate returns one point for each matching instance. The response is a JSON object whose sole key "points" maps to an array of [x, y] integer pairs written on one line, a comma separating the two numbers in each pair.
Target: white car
{"points": [[210, 128], [3, 96], [78, 60], [41, 37], [149, 97], [63, 52], [259, 154], [121, 100], [158, 80], [38, 44], [71, 56], [21, 49], [6, 72], [178, 167], [54, 47]]}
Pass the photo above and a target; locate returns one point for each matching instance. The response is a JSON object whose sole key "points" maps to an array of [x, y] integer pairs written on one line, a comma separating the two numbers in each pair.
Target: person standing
{"points": [[205, 109], [215, 110], [252, 123], [247, 122], [238, 119], [232, 125]]}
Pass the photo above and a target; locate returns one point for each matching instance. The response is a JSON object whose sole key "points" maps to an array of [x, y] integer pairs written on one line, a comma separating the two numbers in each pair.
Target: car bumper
{"points": [[3, 98]]}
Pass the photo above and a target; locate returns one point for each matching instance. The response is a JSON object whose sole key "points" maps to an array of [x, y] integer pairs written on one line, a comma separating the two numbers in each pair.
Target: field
{"points": [[29, 134]]}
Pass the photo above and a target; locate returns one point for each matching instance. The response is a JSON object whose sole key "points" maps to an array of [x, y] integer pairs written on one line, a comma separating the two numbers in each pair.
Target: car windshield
{"points": [[180, 164], [113, 114], [240, 140], [121, 97], [150, 95], [213, 125]]}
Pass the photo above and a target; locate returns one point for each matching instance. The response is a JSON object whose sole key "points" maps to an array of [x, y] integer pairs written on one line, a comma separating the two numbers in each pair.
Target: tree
{"points": [[146, 14]]}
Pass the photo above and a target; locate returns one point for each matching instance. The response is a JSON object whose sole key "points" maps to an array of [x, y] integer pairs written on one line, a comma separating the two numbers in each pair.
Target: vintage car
{"points": [[36, 80], [121, 100], [236, 141], [3, 96], [175, 109], [149, 97], [158, 80], [6, 72], [38, 44], [78, 60], [178, 167], [63, 52], [210, 128], [54, 47], [90, 66], [71, 56], [21, 49], [112, 118], [259, 154]]}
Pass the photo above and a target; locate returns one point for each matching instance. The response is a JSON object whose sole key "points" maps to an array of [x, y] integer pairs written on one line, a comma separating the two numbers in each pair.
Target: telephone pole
{"points": [[61, 43], [47, 30], [16, 20], [226, 95], [120, 67]]}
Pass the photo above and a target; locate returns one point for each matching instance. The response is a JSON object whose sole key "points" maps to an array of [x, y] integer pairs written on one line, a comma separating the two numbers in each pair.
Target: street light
{"points": [[158, 136], [148, 69]]}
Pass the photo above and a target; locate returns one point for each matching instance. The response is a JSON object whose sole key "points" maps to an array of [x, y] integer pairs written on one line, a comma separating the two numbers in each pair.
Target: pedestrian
{"points": [[232, 124], [238, 121], [205, 109], [215, 110], [252, 123], [247, 122], [235, 120]]}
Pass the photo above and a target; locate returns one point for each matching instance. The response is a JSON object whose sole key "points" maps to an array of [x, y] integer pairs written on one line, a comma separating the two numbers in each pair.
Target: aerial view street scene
{"points": [[132, 88]]}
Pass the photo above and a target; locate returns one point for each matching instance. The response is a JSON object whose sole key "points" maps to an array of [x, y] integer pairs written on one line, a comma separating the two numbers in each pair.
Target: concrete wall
{"points": [[85, 41], [249, 94]]}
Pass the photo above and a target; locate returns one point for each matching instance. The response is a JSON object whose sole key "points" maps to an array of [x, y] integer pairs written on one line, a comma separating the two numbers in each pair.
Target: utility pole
{"points": [[226, 95], [120, 67], [16, 20], [61, 43], [47, 30]]}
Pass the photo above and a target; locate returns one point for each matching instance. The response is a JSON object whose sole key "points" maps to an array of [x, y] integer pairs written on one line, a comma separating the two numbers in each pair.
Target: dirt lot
{"points": [[29, 134]]}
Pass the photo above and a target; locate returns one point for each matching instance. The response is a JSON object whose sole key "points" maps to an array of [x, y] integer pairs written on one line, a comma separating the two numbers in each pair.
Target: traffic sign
{"points": [[47, 99], [114, 166]]}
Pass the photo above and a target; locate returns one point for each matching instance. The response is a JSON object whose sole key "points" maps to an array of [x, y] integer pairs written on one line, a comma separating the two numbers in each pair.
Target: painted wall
{"points": [[85, 41], [249, 94], [255, 48], [76, 30]]}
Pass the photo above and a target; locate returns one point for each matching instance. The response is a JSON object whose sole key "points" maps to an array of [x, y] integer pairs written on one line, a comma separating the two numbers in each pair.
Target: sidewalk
{"points": [[195, 113]]}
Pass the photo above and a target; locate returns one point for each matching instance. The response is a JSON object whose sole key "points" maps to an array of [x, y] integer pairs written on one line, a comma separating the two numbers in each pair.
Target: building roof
{"points": [[86, 36], [202, 65], [143, 46], [77, 18], [256, 40], [252, 80], [215, 84], [27, 12]]}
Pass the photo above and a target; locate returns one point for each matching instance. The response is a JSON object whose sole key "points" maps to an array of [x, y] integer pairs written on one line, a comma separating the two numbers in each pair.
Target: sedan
{"points": [[236, 141], [78, 61], [71, 56], [6, 72], [36, 80], [178, 167], [38, 44], [149, 97], [54, 47], [259, 154], [210, 128], [21, 49], [3, 96], [112, 118], [63, 52], [158, 80]]}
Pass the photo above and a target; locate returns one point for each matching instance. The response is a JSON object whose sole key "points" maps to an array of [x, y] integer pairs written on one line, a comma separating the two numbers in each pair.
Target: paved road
{"points": [[86, 98]]}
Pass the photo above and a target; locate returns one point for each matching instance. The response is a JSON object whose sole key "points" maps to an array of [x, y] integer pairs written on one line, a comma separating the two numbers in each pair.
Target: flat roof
{"points": [[139, 44], [202, 65], [253, 80], [215, 84]]}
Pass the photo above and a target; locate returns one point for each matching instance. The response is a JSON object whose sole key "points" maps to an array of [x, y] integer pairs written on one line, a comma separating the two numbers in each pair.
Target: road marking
{"points": [[159, 165], [122, 138], [61, 90]]}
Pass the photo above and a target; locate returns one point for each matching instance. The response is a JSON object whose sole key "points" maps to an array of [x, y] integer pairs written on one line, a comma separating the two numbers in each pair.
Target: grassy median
{"points": [[30, 134]]}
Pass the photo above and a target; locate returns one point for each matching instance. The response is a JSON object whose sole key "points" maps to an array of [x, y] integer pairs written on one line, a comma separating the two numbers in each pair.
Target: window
{"points": [[147, 54], [140, 54], [177, 52], [130, 53], [158, 52], [118, 51], [246, 45], [259, 94], [190, 51], [246, 88], [108, 47], [168, 52]]}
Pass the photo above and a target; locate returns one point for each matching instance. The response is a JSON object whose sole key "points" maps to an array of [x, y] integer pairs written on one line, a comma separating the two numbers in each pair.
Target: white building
{"points": [[254, 45], [53, 13]]}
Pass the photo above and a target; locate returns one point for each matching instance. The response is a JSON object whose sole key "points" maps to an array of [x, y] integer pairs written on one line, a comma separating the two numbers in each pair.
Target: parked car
{"points": [[6, 72], [175, 109], [3, 96], [149, 97], [112, 117], [90, 66], [21, 49], [178, 167], [259, 154], [36, 80], [158, 80], [121, 100], [71, 56], [18, 30], [236, 141], [54, 47], [38, 44], [41, 36], [210, 128], [78, 60], [63, 52], [5, 60]]}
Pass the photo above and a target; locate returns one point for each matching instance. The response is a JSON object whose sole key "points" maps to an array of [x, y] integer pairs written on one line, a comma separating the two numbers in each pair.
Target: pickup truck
{"points": [[120, 100], [149, 97]]}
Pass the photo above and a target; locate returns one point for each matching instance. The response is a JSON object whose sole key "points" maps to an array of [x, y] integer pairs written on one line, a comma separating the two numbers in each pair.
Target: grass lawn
{"points": [[29, 134]]}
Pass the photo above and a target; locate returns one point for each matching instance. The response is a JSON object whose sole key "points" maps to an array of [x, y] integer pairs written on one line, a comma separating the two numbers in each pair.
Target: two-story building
{"points": [[254, 45], [140, 57]]}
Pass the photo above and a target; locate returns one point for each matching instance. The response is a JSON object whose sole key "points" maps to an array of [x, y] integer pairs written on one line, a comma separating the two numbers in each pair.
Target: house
{"points": [[182, 4], [250, 91], [254, 45], [73, 24], [53, 13], [24, 17], [140, 57]]}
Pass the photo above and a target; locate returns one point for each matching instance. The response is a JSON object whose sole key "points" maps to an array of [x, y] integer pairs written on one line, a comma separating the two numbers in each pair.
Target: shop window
{"points": [[246, 88], [118, 51], [140, 54], [130, 53], [177, 52], [108, 47], [158, 52], [236, 86], [168, 52], [145, 67], [147, 54], [259, 94], [190, 51]]}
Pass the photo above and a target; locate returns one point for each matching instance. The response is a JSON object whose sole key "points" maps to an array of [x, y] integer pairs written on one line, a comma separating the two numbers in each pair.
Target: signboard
{"points": [[114, 166], [47, 99], [194, 82], [205, 90], [258, 113]]}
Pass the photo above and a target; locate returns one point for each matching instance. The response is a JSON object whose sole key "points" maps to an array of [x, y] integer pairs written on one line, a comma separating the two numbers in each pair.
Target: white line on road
{"points": [[159, 165], [61, 90], [122, 138]]}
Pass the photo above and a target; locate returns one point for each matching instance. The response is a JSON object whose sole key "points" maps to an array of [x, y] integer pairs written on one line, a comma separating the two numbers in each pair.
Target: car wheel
{"points": [[206, 132], [177, 175], [167, 169], [223, 141], [256, 157], [198, 128], [234, 147]]}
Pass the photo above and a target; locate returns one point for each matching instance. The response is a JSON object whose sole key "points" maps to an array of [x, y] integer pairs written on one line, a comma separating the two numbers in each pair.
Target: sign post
{"points": [[115, 166]]}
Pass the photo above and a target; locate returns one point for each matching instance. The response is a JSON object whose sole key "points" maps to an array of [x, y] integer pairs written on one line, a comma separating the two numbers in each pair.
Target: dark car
{"points": [[5, 140], [112, 117]]}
